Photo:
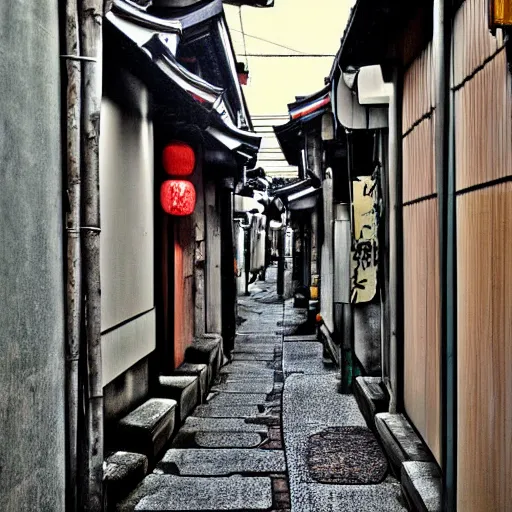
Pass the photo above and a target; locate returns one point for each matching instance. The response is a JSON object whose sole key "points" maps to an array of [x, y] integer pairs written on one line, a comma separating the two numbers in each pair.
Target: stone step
{"points": [[219, 462], [148, 428], [400, 441], [202, 371], [185, 389], [206, 350], [175, 493], [122, 472], [371, 398], [422, 486]]}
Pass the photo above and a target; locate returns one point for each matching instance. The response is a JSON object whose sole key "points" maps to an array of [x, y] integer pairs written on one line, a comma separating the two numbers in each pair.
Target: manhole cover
{"points": [[346, 455]]}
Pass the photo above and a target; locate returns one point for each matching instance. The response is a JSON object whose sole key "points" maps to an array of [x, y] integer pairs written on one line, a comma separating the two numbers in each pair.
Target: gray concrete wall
{"points": [[367, 336], [31, 260]]}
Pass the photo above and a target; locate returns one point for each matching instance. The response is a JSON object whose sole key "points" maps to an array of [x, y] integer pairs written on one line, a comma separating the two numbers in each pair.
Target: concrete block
{"points": [[185, 389], [122, 473], [371, 398], [202, 371], [147, 429], [422, 486], [400, 441]]}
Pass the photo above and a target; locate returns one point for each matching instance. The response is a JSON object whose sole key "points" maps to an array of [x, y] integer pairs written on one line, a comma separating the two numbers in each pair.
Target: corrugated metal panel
{"points": [[418, 93], [484, 125], [421, 325], [419, 162], [484, 348], [473, 43]]}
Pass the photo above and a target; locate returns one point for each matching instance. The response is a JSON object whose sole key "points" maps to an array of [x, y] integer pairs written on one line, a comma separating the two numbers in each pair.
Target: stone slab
{"points": [[245, 386], [218, 462], [200, 439], [235, 399], [228, 439], [399, 440], [422, 486], [246, 367], [240, 411], [251, 356], [147, 429], [185, 389], [195, 424], [254, 348], [169, 492]]}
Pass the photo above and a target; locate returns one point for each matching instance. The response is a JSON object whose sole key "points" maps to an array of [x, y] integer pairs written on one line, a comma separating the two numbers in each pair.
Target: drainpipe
{"points": [[445, 177], [395, 246], [91, 42], [74, 258]]}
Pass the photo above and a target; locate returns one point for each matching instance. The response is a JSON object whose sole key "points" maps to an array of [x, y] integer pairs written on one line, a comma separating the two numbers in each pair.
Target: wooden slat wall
{"points": [[421, 259], [473, 42], [419, 91], [418, 162], [485, 349], [484, 246], [484, 125], [421, 313]]}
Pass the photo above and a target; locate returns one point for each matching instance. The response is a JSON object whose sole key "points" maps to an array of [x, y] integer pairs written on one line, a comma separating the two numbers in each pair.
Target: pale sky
{"points": [[303, 27]]}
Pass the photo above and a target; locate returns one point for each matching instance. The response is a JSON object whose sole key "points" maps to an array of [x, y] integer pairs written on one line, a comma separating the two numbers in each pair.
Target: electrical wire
{"points": [[243, 35], [266, 41]]}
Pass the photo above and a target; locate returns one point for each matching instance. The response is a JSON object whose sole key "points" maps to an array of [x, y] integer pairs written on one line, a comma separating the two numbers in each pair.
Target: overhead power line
{"points": [[264, 40], [243, 33], [322, 55]]}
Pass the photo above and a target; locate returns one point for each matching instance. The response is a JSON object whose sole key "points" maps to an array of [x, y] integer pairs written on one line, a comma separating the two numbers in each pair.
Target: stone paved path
{"points": [[230, 454]]}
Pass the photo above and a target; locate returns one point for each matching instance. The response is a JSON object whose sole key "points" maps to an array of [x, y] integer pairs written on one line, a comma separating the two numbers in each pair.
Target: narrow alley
{"points": [[255, 255], [270, 433]]}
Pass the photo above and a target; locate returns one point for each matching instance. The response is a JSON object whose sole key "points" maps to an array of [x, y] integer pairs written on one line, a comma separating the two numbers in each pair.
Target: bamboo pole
{"points": [[74, 260], [91, 42]]}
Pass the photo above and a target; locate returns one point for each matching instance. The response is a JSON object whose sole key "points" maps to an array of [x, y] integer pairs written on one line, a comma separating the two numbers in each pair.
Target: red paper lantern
{"points": [[178, 197], [178, 159]]}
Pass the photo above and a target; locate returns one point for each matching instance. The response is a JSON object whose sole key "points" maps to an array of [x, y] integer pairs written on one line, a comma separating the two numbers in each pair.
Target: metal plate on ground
{"points": [[346, 455]]}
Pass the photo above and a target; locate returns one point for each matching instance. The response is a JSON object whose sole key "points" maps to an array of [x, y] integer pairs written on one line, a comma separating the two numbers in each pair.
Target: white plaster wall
{"points": [[127, 245]]}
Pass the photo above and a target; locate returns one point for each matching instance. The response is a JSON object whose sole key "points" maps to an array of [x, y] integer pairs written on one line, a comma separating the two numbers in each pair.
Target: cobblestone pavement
{"points": [[230, 455]]}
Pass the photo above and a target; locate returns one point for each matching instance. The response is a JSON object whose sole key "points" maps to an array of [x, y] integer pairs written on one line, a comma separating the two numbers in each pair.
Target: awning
{"points": [[311, 106], [301, 195], [289, 136], [157, 40], [302, 112], [303, 200], [294, 188]]}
